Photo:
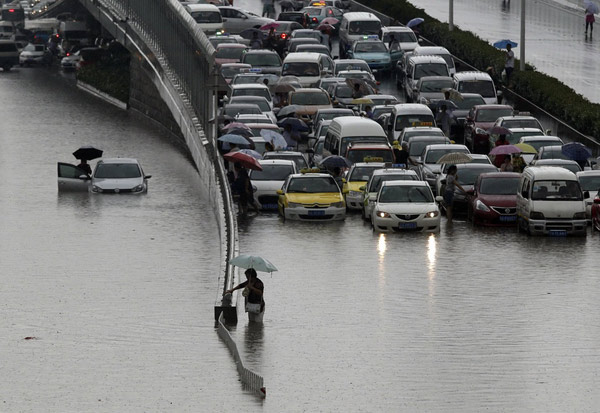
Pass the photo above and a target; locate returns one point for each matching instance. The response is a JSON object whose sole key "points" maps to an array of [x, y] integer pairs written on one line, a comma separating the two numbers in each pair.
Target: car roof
{"points": [[231, 46], [394, 171], [309, 90], [430, 50], [476, 166], [412, 108], [118, 160], [365, 164], [420, 128], [417, 59], [500, 175], [396, 29], [517, 117], [426, 138], [261, 51], [549, 172], [360, 15], [472, 75], [201, 7], [537, 138], [238, 64], [311, 175], [524, 129], [366, 145], [494, 106], [284, 153], [448, 146], [302, 57], [555, 161], [377, 96], [588, 173], [404, 183], [250, 86], [276, 162]]}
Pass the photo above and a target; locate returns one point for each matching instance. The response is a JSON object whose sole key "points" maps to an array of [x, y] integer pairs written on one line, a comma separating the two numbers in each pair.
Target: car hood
{"points": [[434, 167], [126, 183], [372, 56], [558, 209], [507, 201], [311, 199], [432, 95], [407, 208], [267, 186], [484, 125], [355, 185], [222, 60], [310, 109]]}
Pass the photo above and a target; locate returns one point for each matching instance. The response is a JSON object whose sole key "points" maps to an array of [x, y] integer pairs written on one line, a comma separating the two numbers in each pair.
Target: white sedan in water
{"points": [[405, 206], [119, 175], [265, 183]]}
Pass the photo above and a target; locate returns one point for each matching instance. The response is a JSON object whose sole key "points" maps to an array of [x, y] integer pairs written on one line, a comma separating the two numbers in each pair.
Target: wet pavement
{"points": [[554, 35], [118, 292]]}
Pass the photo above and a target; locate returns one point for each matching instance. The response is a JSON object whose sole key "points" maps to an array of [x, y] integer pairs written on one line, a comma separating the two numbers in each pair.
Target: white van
{"points": [[207, 16], [550, 202], [354, 26], [307, 67], [420, 66], [345, 130], [408, 115], [477, 82], [437, 51]]}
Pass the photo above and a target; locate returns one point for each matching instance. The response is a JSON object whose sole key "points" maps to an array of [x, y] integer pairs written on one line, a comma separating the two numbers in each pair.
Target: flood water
{"points": [[118, 293]]}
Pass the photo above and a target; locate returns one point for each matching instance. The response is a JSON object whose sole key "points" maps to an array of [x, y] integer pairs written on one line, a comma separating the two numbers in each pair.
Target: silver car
{"points": [[236, 20], [119, 175]]}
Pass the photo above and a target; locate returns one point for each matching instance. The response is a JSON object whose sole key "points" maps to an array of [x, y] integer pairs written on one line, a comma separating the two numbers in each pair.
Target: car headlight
{"points": [[480, 131], [294, 205], [337, 204], [579, 215], [354, 193], [536, 215], [382, 214], [96, 188], [138, 188], [432, 214], [480, 206]]}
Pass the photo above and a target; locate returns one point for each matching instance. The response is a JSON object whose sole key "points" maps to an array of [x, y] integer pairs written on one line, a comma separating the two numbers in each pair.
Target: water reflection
{"points": [[254, 341]]}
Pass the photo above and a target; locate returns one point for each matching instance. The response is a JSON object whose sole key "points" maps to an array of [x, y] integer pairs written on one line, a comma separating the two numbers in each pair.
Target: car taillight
{"points": [[315, 20], [283, 35], [68, 54]]}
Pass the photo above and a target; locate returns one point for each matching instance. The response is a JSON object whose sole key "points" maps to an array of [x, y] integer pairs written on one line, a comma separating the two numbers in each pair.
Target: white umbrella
{"points": [[591, 7], [253, 261], [455, 157]]}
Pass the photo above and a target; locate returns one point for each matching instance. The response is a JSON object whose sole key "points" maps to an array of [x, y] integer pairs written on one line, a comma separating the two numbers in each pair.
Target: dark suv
{"points": [[9, 54], [295, 16]]}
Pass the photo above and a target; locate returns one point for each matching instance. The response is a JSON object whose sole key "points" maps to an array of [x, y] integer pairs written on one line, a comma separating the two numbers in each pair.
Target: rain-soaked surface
{"points": [[118, 292], [554, 34]]}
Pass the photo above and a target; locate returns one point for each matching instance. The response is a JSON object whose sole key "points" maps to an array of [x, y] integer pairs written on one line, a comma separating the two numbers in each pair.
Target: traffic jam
{"points": [[306, 131]]}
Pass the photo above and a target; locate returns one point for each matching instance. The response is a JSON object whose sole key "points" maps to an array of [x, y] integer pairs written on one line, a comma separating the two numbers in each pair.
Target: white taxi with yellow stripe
{"points": [[357, 177]]}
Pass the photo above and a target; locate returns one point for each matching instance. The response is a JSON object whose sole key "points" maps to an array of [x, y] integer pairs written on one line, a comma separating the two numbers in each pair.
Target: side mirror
{"points": [[147, 176], [596, 200], [336, 57], [499, 93], [439, 199], [344, 180], [586, 194], [548, 131], [311, 151], [279, 192], [363, 188], [471, 192], [345, 191]]}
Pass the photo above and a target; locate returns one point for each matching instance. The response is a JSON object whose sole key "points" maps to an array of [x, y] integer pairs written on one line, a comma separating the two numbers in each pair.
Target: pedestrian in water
{"points": [[589, 17], [253, 292], [84, 166], [243, 187], [451, 185], [509, 63]]}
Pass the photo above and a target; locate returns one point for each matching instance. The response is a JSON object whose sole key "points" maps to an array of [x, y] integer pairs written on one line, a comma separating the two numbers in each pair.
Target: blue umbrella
{"points": [[415, 22], [252, 153], [236, 139], [501, 44], [296, 124], [275, 138], [576, 151], [335, 160]]}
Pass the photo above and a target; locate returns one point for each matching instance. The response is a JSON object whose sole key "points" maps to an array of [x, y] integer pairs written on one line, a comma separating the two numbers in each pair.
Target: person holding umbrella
{"points": [[291, 136], [451, 185], [84, 166], [243, 187], [590, 10], [85, 154], [253, 291], [509, 63]]}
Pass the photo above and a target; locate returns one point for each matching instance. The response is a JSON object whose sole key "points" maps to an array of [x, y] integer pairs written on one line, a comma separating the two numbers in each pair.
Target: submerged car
{"points": [[405, 206], [494, 199], [311, 197], [374, 184], [119, 175], [358, 176], [265, 183]]}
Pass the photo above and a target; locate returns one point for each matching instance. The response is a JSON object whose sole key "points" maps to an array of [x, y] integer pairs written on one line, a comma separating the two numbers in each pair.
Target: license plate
{"points": [[269, 206], [313, 213], [508, 218], [408, 225], [557, 233]]}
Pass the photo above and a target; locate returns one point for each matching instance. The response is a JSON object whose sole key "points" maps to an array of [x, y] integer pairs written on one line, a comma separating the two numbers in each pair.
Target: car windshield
{"points": [[370, 47], [484, 88], [415, 148], [364, 27], [313, 185], [499, 186], [538, 144], [298, 160], [322, 131], [253, 92], [300, 69], [262, 104], [425, 132], [377, 112], [436, 85], [117, 171], [234, 110], [435, 154], [262, 59], [490, 115], [468, 176], [230, 53], [589, 182], [331, 115], [217, 41], [307, 35], [340, 67], [358, 155], [552, 152], [207, 16], [430, 69], [556, 191], [405, 193], [468, 102], [342, 91], [405, 121], [362, 173], [313, 11], [378, 180], [347, 140], [310, 98], [34, 48], [520, 123], [272, 173], [515, 137], [402, 37]]}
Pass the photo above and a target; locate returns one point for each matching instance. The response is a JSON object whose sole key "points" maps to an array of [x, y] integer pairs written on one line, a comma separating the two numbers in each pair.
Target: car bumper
{"points": [[315, 214], [395, 224], [558, 227], [380, 65], [31, 60], [494, 219], [354, 202]]}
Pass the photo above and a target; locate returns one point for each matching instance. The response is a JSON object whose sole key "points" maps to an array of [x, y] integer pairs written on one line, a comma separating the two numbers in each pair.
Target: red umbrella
{"points": [[330, 20], [245, 160], [505, 150], [269, 26], [325, 26]]}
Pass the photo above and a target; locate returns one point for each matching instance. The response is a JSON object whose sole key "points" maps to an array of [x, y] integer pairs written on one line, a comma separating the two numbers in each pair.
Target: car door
{"points": [[72, 179]]}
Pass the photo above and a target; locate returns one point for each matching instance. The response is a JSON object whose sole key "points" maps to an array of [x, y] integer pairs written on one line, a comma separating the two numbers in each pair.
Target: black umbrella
{"points": [[88, 153], [289, 110], [333, 161]]}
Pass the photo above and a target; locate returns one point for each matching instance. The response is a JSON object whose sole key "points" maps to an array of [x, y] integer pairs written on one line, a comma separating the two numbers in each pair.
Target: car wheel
{"points": [[470, 216], [7, 68]]}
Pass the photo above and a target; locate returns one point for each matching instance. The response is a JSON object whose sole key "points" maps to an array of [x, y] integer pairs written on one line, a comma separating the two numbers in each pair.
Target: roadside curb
{"points": [[104, 96]]}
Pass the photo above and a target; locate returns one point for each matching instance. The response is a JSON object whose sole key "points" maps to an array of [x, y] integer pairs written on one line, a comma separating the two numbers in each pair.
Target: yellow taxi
{"points": [[311, 196], [357, 177]]}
